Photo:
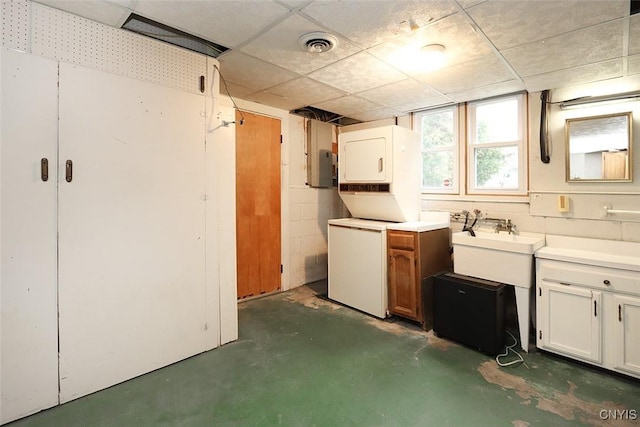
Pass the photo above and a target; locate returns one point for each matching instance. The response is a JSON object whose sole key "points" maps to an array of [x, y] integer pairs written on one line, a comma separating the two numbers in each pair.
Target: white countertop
{"points": [[370, 224], [418, 226], [598, 252], [367, 224]]}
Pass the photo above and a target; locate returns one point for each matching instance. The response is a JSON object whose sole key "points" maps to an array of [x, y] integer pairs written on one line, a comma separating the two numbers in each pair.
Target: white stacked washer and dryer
{"points": [[379, 182]]}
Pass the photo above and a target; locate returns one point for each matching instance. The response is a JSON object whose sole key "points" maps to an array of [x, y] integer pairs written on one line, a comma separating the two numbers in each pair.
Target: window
{"points": [[497, 149], [439, 133]]}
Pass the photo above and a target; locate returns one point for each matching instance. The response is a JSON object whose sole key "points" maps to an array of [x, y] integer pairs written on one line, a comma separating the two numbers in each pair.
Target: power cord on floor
{"points": [[508, 349]]}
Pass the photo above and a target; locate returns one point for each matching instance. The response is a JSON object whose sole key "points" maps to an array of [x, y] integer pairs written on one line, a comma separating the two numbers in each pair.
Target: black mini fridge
{"points": [[469, 310]]}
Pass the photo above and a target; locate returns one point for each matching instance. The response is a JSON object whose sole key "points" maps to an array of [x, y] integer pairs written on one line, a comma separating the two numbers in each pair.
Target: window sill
{"points": [[495, 198]]}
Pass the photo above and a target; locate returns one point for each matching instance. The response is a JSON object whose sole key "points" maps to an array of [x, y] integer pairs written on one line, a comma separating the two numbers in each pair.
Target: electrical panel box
{"points": [[319, 154]]}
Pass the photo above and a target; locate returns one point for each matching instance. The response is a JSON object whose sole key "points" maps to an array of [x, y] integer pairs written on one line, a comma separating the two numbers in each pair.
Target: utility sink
{"points": [[502, 257], [505, 258], [523, 243]]}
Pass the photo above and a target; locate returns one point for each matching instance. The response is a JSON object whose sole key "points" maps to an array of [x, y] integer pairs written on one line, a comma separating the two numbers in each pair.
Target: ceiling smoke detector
{"points": [[317, 42]]}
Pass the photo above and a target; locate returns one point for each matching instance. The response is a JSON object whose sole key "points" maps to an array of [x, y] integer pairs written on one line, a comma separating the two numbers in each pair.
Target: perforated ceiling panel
{"points": [[15, 25], [73, 39]]}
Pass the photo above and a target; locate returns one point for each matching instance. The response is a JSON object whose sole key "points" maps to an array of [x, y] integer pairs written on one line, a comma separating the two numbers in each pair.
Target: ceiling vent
{"points": [[317, 42]]}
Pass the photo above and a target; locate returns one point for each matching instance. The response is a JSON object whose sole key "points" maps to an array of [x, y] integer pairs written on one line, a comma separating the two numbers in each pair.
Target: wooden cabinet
{"points": [[589, 313], [414, 257]]}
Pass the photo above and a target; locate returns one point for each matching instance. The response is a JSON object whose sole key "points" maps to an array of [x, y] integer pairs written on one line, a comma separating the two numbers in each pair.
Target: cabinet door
{"points": [[403, 297], [366, 160], [627, 333], [132, 294], [357, 269], [29, 316], [571, 321]]}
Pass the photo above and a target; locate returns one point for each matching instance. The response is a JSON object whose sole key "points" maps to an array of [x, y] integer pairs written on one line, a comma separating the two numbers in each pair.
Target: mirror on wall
{"points": [[599, 148]]}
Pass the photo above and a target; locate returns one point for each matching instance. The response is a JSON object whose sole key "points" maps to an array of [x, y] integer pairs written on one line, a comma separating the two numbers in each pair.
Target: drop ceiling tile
{"points": [[461, 42], [123, 3], [279, 46], [634, 35], [294, 4], [483, 71], [590, 45], [634, 65], [575, 76], [306, 91], [251, 72], [225, 22], [466, 4], [272, 100], [108, 13], [383, 113], [426, 103], [514, 23], [357, 73], [347, 106], [371, 23], [399, 93], [488, 91]]}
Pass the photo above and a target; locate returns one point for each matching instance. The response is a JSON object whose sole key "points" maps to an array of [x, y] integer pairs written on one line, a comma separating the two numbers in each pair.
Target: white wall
{"points": [[309, 210], [539, 212]]}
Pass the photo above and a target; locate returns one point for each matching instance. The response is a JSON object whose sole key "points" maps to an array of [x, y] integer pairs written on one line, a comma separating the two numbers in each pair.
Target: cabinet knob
{"points": [[607, 282]]}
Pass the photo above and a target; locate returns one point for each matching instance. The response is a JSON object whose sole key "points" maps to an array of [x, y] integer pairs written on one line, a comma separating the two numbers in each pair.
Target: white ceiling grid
{"points": [[493, 47]]}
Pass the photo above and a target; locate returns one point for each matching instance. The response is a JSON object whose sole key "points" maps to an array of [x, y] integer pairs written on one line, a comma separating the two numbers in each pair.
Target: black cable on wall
{"points": [[544, 134]]}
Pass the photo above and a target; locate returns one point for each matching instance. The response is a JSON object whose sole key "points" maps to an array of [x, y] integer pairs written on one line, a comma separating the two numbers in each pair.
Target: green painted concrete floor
{"points": [[303, 361]]}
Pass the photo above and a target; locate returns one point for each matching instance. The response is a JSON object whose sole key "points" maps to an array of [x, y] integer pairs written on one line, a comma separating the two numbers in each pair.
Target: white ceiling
{"points": [[493, 47]]}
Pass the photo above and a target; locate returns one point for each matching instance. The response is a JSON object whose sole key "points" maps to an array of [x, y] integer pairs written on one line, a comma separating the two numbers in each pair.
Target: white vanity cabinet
{"points": [[588, 301], [626, 333], [569, 322]]}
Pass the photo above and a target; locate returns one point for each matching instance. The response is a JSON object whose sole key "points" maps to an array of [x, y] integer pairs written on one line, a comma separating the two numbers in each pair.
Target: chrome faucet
{"points": [[506, 225], [503, 225]]}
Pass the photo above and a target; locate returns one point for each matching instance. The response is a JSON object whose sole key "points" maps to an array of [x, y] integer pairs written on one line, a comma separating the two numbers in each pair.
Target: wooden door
{"points": [[29, 314], [132, 294], [258, 223], [614, 165], [404, 284]]}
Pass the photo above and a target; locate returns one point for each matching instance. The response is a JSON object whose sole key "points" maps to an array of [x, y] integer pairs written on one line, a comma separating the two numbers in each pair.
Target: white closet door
{"points": [[29, 329], [131, 229]]}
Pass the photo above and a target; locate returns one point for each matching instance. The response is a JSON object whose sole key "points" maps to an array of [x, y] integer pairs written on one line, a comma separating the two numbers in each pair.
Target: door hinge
{"points": [[540, 334], [280, 139], [281, 269], [539, 291]]}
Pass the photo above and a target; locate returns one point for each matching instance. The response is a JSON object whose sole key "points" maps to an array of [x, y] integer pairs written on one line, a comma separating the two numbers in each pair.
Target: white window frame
{"points": [[520, 143], [455, 148]]}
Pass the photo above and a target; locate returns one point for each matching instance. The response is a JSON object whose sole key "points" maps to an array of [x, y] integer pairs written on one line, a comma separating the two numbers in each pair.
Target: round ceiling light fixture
{"points": [[317, 42], [434, 55]]}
